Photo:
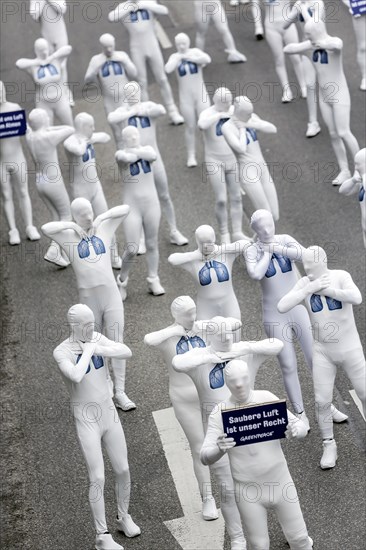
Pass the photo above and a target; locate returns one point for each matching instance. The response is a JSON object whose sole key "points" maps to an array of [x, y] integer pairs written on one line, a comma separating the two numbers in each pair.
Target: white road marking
{"points": [[358, 402], [163, 38], [190, 531]]}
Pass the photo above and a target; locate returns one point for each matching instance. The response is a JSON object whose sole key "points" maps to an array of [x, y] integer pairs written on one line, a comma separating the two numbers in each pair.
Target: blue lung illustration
{"points": [[219, 126], [332, 303], [310, 12], [41, 73], [89, 153], [316, 303], [251, 135], [183, 344], [135, 169], [216, 376], [322, 55], [96, 359], [284, 263], [143, 120], [97, 243], [135, 15], [204, 273], [182, 69], [361, 194], [116, 66]]}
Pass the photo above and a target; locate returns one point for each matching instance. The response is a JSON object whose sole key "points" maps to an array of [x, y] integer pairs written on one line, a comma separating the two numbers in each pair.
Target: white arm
{"points": [[160, 336], [295, 296], [72, 371], [298, 47], [347, 292], [172, 62], [100, 137], [239, 146], [351, 186]]}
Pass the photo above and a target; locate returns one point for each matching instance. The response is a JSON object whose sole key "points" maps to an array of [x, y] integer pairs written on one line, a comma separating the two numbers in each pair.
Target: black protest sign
{"points": [[256, 423]]}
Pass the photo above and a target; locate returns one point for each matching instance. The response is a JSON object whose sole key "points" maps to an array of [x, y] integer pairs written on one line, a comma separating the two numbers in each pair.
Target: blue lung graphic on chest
{"points": [[139, 14], [317, 304], [89, 153], [97, 244], [97, 361], [220, 269], [216, 376], [143, 121], [284, 263], [187, 65], [320, 55], [115, 65], [361, 194], [219, 126], [183, 344], [135, 168], [41, 73], [251, 135]]}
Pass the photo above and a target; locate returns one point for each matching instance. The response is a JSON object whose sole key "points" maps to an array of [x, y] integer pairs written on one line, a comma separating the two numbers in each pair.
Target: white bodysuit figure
{"points": [[357, 184], [83, 172], [277, 37], [185, 334], [261, 464], [138, 18], [81, 360], [204, 13], [139, 192], [193, 97], [143, 116], [205, 366], [359, 27], [46, 71], [112, 70], [87, 243], [14, 175], [329, 295], [221, 165], [271, 260], [50, 15], [316, 9], [42, 140], [334, 96], [211, 267], [240, 133]]}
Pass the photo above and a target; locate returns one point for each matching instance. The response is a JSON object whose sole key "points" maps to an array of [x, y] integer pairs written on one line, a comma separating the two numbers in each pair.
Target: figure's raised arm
{"points": [[216, 443], [126, 157], [172, 62], [261, 125], [119, 115], [344, 290], [299, 292], [184, 259], [61, 53], [94, 66], [112, 218], [194, 358], [100, 137], [198, 56], [210, 116], [122, 11], [160, 336], [257, 261], [75, 145], [110, 348], [154, 7], [351, 186], [298, 47], [234, 138], [72, 371]]}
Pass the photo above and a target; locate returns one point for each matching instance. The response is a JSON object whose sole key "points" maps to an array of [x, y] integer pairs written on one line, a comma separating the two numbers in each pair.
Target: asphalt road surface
{"points": [[44, 479]]}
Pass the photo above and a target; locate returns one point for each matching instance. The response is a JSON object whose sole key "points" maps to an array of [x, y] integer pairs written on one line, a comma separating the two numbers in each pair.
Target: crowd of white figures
{"points": [[207, 361]]}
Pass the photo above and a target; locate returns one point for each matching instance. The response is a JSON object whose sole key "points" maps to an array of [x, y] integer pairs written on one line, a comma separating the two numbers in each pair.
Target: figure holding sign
{"points": [[87, 243], [81, 360], [205, 367], [260, 464], [178, 338], [14, 170], [329, 296]]}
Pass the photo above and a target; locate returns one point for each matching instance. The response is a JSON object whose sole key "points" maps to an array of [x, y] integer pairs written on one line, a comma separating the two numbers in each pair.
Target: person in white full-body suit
{"points": [[81, 360], [262, 465], [87, 243], [138, 18]]}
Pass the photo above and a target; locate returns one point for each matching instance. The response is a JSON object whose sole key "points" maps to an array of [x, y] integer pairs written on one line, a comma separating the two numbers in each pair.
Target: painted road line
{"points": [[190, 531]]}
